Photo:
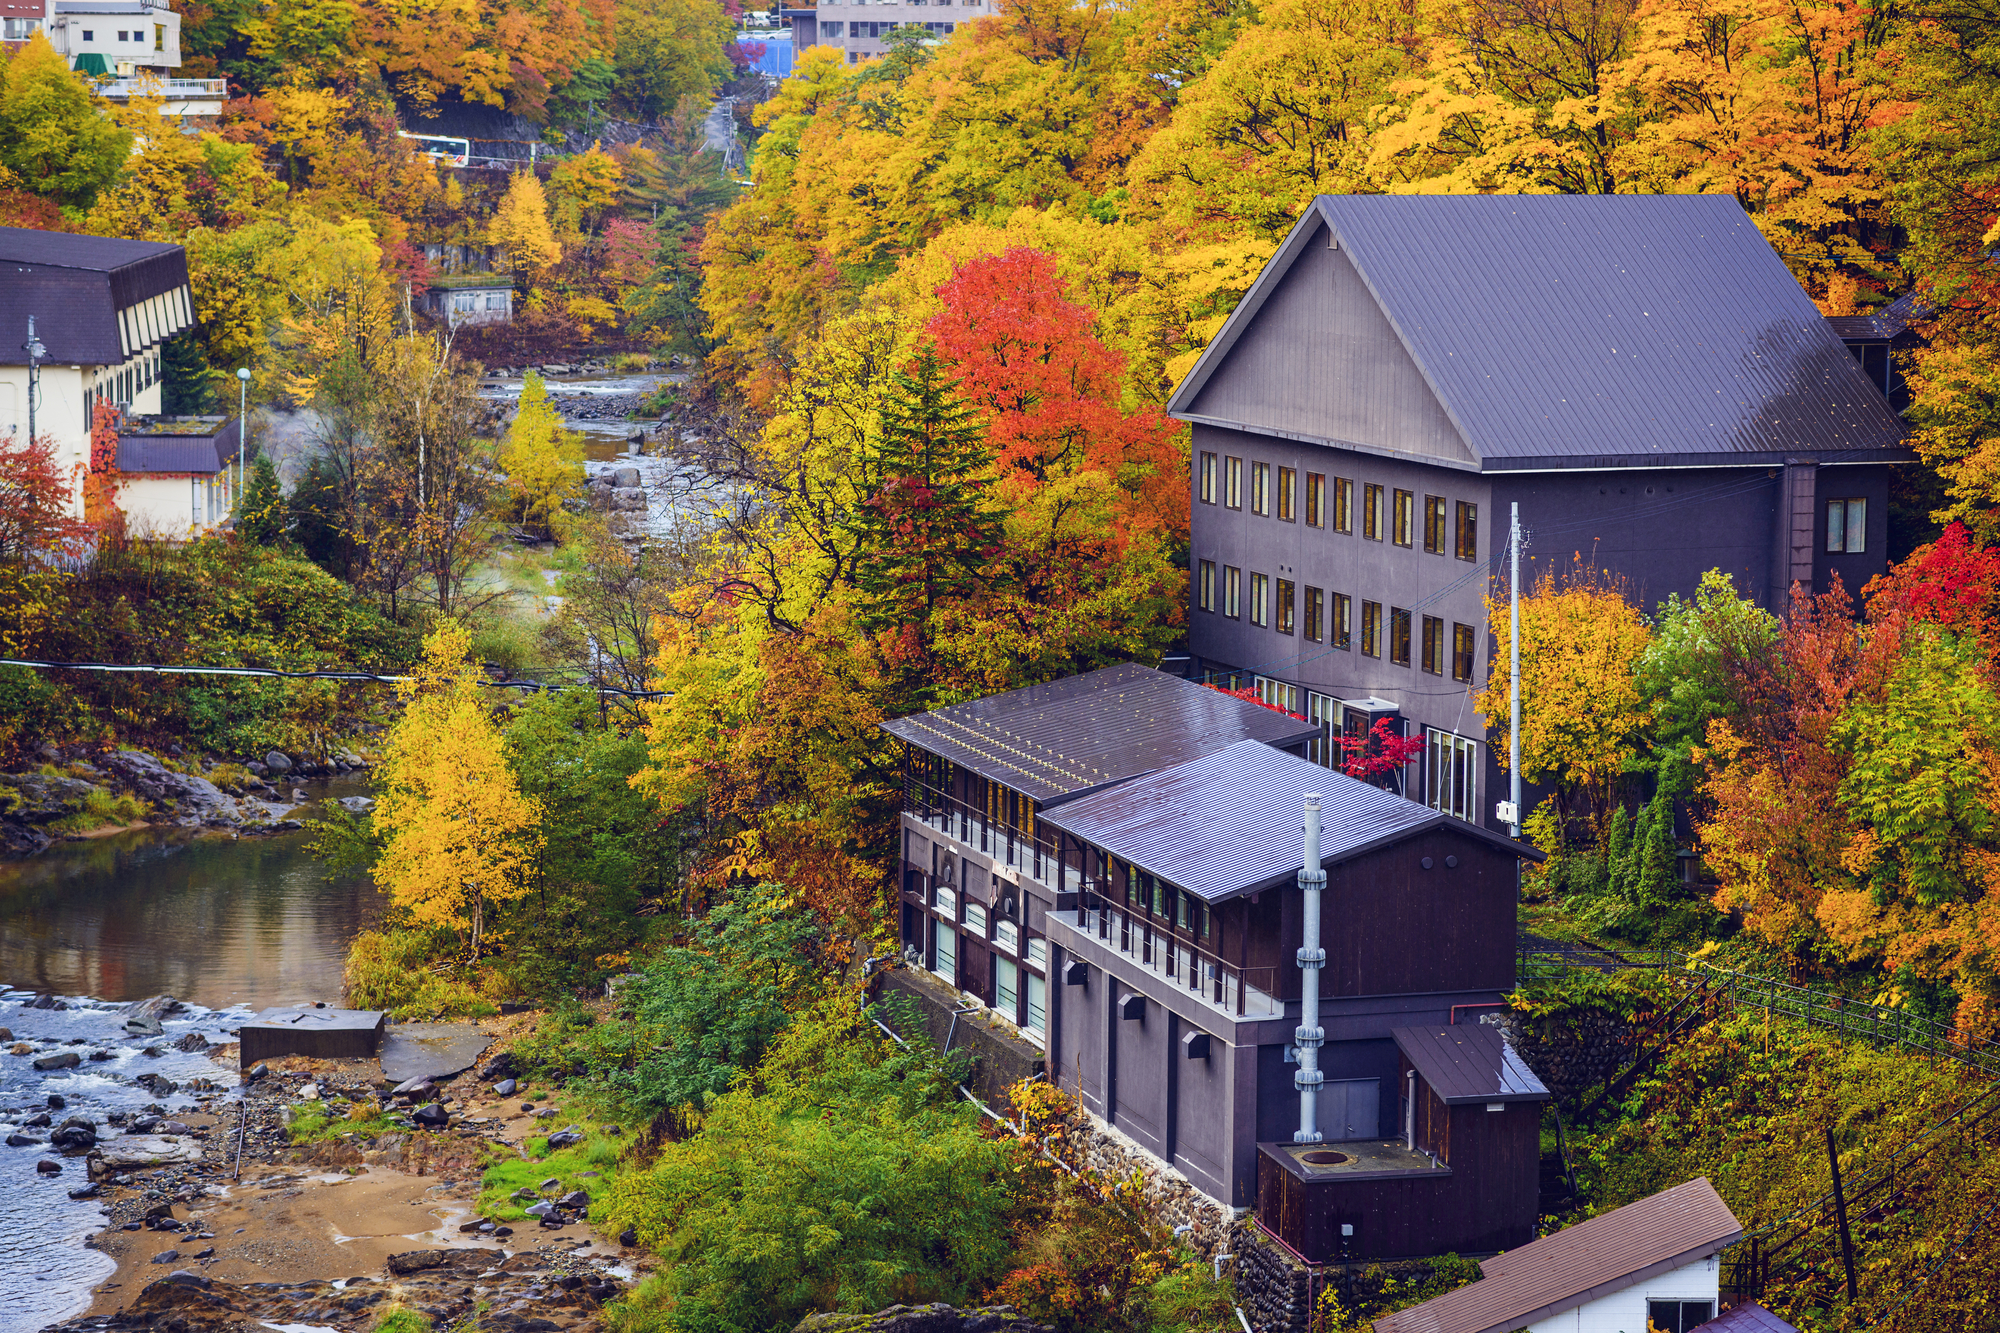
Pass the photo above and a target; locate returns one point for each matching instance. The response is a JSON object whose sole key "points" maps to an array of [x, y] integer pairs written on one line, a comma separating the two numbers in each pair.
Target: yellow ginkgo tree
{"points": [[458, 833]]}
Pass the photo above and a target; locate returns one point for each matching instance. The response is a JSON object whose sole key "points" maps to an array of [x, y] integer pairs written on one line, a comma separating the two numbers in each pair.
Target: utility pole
{"points": [[35, 352], [1514, 673], [242, 426]]}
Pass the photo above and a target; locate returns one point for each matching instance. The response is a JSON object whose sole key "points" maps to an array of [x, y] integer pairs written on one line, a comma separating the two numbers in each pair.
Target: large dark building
{"points": [[1640, 374], [1111, 865]]}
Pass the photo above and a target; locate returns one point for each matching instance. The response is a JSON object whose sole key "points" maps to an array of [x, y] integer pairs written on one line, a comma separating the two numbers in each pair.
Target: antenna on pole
{"points": [[1512, 814]]}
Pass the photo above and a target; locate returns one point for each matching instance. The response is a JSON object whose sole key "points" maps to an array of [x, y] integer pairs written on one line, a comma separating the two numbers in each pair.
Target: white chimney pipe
{"points": [[1311, 959]]}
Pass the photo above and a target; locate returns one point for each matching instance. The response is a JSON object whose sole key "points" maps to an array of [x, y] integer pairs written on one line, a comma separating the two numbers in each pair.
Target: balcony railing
{"points": [[136, 86], [1245, 992], [968, 824]]}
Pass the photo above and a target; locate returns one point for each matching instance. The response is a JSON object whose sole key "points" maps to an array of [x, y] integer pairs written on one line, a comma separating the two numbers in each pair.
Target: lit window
{"points": [[1232, 482], [1343, 505], [1371, 512], [1847, 526], [1232, 591], [1260, 606], [1371, 629], [1260, 489], [1205, 586], [1434, 517], [1467, 544], [1462, 651], [1399, 636], [1405, 519], [1315, 612], [1288, 482], [1315, 499], [1208, 469]]}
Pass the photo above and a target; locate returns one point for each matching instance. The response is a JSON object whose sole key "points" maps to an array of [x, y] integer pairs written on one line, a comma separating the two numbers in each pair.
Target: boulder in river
{"points": [[191, 1041], [625, 476], [66, 1060], [74, 1138], [432, 1116], [48, 1168], [277, 762], [143, 1150], [23, 1141]]}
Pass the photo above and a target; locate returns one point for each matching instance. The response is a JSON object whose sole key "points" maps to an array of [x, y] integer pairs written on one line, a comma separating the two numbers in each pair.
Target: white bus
{"points": [[451, 152]]}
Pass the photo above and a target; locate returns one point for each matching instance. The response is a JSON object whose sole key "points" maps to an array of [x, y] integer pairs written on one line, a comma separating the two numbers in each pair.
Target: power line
{"points": [[350, 676]]}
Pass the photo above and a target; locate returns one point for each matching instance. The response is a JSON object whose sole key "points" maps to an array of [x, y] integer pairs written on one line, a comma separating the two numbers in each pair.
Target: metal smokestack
{"points": [[1311, 959]]}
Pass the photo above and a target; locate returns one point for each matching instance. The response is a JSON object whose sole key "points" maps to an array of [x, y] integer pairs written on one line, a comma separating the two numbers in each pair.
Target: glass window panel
{"points": [[1038, 952], [1260, 489], [1836, 525], [1399, 636], [1467, 542], [1260, 594], [1340, 627], [1208, 479], [1232, 590], [1038, 1004], [1463, 649], [1007, 935], [1434, 523], [1284, 607], [1343, 505], [975, 919], [1857, 526], [1371, 629], [1315, 613], [1287, 492], [1434, 645], [1232, 482], [1006, 986], [1405, 519], [1315, 499], [944, 945], [1371, 512]]}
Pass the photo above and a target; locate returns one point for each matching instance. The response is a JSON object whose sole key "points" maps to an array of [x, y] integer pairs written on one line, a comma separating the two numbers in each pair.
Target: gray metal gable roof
{"points": [[1469, 1063], [1079, 733], [1232, 821], [1601, 330]]}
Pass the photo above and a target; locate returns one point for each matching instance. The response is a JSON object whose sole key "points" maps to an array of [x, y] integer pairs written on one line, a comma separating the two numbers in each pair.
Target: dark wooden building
{"points": [[1640, 374], [983, 870], [1111, 863]]}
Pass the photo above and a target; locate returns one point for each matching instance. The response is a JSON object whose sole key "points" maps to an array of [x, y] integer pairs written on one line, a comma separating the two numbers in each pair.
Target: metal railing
{"points": [[1188, 967], [1846, 1016], [128, 86], [967, 823]]}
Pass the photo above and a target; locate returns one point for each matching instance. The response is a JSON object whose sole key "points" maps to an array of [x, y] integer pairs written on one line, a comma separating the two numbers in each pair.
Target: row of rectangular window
{"points": [[1276, 604], [837, 28], [1221, 482]]}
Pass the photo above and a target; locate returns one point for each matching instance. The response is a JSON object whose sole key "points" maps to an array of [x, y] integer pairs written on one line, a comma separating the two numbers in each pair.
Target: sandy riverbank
{"points": [[343, 1229]]}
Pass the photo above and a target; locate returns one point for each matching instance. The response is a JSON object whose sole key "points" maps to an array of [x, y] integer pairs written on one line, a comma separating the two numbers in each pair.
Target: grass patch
{"points": [[629, 362], [401, 1320], [599, 1152], [322, 1122], [100, 810]]}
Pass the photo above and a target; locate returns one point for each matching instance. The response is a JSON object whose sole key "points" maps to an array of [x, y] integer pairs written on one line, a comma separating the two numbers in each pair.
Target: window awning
{"points": [[92, 62]]}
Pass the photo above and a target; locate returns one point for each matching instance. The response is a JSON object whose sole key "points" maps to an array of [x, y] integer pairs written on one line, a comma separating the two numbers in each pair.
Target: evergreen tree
{"points": [[317, 518], [927, 529], [1653, 855], [1618, 853], [262, 517]]}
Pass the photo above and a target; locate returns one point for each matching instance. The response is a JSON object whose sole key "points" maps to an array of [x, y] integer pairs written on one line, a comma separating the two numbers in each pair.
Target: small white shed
{"points": [[1651, 1265]]}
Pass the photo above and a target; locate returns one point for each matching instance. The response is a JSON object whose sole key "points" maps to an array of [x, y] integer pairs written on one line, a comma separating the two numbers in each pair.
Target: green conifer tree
{"points": [[927, 529], [1618, 853], [1653, 855], [261, 515]]}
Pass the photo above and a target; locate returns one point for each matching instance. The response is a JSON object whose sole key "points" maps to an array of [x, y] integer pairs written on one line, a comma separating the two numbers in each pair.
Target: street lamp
{"points": [[242, 427], [36, 351]]}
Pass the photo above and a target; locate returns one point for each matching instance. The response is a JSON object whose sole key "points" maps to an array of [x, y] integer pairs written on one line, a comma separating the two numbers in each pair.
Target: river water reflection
{"points": [[218, 921]]}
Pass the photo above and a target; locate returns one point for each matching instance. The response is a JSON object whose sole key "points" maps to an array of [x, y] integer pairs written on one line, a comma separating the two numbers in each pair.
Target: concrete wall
{"points": [[1625, 1311], [1000, 1058]]}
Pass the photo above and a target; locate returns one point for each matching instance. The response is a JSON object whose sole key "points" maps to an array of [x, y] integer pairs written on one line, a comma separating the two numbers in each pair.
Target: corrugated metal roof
{"points": [[1890, 322], [1579, 1264], [179, 452], [1233, 821], [1469, 1063], [1599, 330], [1749, 1317], [1078, 734], [75, 287]]}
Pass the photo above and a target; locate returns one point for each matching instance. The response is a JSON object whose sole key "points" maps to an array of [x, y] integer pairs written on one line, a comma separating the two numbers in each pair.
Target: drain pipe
{"points": [[1311, 959], [1410, 1110]]}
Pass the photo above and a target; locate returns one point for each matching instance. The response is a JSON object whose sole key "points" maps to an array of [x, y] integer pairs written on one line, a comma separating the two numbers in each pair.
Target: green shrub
{"points": [[318, 1122], [101, 809], [598, 1153], [400, 1319], [393, 970]]}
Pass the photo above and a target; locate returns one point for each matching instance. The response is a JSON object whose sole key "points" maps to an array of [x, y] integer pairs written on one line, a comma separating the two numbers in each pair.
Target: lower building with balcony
{"points": [[1113, 864]]}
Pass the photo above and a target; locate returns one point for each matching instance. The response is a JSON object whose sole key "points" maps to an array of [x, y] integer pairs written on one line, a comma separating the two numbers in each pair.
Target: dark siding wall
{"points": [[1081, 1044], [1139, 1080], [1202, 1146], [1378, 571], [1393, 928], [1871, 484], [1324, 361]]}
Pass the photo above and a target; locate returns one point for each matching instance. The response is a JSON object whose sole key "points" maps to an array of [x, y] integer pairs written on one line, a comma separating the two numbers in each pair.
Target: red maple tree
{"points": [[1029, 358], [35, 498]]}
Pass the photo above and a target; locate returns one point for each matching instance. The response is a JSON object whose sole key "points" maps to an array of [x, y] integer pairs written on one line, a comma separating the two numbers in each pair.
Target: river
{"points": [[230, 925]]}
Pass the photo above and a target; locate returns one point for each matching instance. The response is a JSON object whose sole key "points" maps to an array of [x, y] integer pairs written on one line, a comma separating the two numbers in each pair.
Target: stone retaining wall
{"points": [[1572, 1052]]}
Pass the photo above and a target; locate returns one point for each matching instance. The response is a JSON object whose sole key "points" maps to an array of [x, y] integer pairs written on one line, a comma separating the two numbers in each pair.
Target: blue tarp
{"points": [[776, 58]]}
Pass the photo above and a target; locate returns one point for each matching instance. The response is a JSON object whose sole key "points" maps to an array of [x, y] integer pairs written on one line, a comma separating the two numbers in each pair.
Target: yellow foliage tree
{"points": [[542, 460], [1581, 709], [587, 184], [521, 227], [459, 832]]}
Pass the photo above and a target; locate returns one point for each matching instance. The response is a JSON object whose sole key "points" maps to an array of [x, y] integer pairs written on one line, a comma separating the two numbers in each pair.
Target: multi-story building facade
{"points": [[1111, 864], [1640, 375], [102, 311], [133, 47], [21, 19], [862, 27]]}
